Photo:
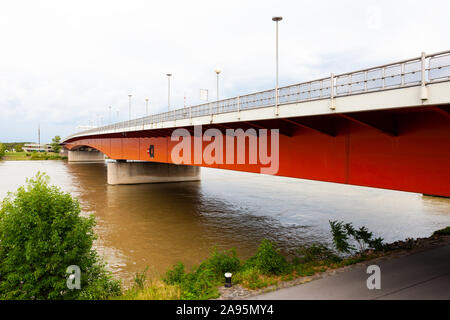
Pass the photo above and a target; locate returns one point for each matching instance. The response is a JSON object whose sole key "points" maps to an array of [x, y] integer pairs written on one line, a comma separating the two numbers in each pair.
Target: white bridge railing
{"points": [[431, 68]]}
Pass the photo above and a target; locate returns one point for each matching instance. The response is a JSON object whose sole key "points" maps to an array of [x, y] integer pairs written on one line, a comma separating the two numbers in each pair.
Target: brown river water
{"points": [[157, 225]]}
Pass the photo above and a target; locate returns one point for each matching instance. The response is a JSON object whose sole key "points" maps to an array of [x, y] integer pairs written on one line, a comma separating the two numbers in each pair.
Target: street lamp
{"points": [[168, 91], [146, 107], [276, 19], [217, 71], [110, 107], [129, 106]]}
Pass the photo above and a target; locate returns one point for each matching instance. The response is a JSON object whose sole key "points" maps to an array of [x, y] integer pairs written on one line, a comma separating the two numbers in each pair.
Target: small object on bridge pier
{"points": [[228, 280]]}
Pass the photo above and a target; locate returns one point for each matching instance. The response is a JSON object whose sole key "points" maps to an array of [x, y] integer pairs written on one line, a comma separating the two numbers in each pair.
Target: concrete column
{"points": [[86, 155], [150, 172]]}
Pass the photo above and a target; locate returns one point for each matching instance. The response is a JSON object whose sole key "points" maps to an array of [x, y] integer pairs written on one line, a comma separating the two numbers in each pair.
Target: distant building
{"points": [[31, 147]]}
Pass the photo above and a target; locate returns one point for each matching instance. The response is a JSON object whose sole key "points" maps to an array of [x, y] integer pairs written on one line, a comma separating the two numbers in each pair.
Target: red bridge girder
{"points": [[404, 149]]}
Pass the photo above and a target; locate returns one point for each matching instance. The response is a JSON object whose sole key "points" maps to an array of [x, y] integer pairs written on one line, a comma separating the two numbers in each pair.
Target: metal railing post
{"points": [[239, 106], [332, 105], [423, 88], [423, 68], [276, 101], [365, 81], [402, 74]]}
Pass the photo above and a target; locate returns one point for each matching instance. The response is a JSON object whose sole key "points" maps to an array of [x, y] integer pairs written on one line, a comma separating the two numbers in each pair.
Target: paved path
{"points": [[422, 275]]}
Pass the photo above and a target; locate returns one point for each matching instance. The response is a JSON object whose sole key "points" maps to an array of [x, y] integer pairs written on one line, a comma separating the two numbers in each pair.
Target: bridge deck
{"points": [[396, 136], [390, 86]]}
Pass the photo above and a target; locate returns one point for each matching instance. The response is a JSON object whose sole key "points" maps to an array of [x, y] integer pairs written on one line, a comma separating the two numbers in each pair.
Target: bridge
{"points": [[384, 127]]}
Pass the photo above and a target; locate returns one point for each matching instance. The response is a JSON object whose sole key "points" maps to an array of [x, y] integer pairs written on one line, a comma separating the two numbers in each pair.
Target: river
{"points": [[157, 225]]}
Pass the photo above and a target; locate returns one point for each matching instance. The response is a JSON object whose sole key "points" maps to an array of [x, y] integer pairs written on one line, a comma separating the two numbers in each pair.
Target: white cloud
{"points": [[64, 62]]}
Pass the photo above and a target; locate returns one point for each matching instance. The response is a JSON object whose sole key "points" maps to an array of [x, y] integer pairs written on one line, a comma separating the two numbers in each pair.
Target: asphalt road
{"points": [[422, 275]]}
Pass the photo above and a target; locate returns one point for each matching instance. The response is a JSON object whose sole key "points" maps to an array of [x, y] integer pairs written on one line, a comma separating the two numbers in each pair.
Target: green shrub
{"points": [[202, 281], [252, 278], [442, 232], [221, 262], [2, 150], [201, 284], [269, 260], [35, 156], [316, 253], [175, 275], [341, 235], [41, 234]]}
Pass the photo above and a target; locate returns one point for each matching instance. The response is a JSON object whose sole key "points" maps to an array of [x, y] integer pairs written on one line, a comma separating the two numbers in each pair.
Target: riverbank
{"points": [[21, 156], [292, 290], [251, 280], [421, 274]]}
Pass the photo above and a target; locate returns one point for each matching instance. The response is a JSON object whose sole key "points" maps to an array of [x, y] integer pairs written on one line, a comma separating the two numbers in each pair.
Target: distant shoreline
{"points": [[31, 156]]}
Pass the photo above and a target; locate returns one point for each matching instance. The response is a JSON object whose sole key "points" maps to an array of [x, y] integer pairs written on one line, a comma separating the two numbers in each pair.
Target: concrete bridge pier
{"points": [[85, 155], [122, 172]]}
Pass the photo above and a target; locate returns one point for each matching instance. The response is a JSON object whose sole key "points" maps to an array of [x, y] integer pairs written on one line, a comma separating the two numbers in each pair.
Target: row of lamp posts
{"points": [[217, 71]]}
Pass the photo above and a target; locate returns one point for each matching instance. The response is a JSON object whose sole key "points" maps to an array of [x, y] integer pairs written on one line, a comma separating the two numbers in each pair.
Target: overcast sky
{"points": [[64, 62]]}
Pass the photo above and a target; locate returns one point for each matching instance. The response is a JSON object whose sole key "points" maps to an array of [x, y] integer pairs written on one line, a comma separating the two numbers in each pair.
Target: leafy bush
{"points": [[175, 275], [269, 260], [201, 284], [2, 150], [342, 232], [35, 156], [252, 278], [221, 262], [41, 234], [316, 252], [442, 232], [202, 281]]}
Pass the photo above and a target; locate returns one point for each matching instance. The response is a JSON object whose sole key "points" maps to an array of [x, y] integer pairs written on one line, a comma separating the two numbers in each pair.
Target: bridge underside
{"points": [[401, 149]]}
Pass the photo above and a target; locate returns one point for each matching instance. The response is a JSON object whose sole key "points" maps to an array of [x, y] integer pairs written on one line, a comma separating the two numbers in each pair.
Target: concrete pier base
{"points": [[150, 172], [86, 155]]}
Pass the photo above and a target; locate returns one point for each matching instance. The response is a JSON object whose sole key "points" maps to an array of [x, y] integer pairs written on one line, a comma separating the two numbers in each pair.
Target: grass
{"points": [[442, 232], [16, 156], [154, 289], [266, 268]]}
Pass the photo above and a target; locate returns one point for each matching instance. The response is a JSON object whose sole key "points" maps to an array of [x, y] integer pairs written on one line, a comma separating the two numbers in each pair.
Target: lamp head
{"points": [[277, 18]]}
